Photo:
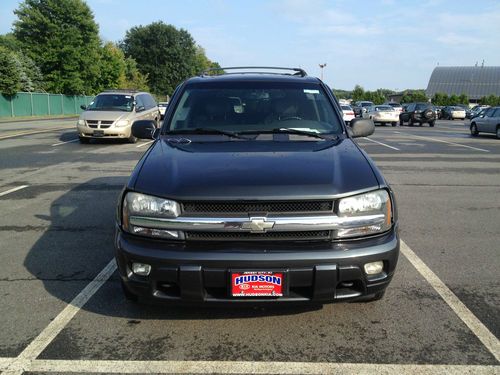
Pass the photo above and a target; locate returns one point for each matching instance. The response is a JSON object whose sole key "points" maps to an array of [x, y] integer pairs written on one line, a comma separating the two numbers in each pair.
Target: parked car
{"points": [[382, 114], [418, 113], [162, 106], [452, 112], [478, 110], [466, 108], [397, 107], [438, 109], [111, 114], [271, 201], [489, 122], [360, 107], [347, 113]]}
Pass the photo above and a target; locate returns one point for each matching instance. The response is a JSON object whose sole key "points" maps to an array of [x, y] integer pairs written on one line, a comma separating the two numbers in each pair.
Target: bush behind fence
{"points": [[41, 104]]}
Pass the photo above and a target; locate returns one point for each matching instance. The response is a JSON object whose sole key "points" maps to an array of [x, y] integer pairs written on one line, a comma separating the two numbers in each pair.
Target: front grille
{"points": [[251, 207], [105, 126], [269, 236], [103, 122], [92, 122], [93, 126]]}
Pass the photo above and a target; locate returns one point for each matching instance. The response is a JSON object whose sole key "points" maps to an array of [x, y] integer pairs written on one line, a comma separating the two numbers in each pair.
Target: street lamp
{"points": [[322, 66]]}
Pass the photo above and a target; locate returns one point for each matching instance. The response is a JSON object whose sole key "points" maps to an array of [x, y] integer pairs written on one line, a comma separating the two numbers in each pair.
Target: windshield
{"points": [[384, 108], [112, 102], [422, 106], [254, 107]]}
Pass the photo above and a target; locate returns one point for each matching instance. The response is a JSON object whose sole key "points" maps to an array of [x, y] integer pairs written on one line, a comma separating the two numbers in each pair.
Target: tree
{"points": [[414, 96], [358, 93], [133, 79], [491, 100], [62, 38], [112, 67], [166, 54], [440, 99], [463, 99], [10, 75]]}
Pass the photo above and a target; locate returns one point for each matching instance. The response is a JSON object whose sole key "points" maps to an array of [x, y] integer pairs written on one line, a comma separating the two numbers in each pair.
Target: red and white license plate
{"points": [[257, 284]]}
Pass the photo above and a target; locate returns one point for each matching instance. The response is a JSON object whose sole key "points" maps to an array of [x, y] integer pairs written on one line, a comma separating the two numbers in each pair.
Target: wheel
{"points": [[498, 132], [132, 139], [128, 294], [394, 123], [411, 123], [84, 140], [473, 130], [432, 123], [401, 122]]}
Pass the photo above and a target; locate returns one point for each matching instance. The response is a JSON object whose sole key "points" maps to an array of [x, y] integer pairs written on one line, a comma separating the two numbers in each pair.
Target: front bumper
{"points": [[111, 132], [319, 272]]}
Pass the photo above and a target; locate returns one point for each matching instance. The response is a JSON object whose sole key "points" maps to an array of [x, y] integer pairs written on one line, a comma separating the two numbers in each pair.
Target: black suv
{"points": [[418, 113], [254, 191]]}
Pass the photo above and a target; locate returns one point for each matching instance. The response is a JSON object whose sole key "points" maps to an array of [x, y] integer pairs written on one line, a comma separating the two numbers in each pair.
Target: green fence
{"points": [[41, 104]]}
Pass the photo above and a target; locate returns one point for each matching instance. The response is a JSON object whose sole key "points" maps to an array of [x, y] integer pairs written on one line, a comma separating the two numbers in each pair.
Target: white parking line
{"points": [[144, 144], [380, 143], [244, 367], [479, 329], [13, 190], [440, 140], [63, 143]]}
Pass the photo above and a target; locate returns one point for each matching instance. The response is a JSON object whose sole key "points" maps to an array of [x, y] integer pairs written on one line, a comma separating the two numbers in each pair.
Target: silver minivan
{"points": [[487, 123], [112, 113]]}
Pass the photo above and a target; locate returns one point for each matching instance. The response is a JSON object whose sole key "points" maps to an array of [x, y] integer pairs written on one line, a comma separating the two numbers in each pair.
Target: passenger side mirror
{"points": [[140, 108], [83, 106], [144, 129], [362, 127]]}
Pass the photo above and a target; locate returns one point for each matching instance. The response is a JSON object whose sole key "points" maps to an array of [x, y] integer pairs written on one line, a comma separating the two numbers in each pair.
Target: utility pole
{"points": [[322, 66]]}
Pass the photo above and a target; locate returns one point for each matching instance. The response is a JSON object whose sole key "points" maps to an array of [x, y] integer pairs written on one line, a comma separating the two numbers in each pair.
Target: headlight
{"points": [[122, 123], [138, 209], [374, 210], [81, 122]]}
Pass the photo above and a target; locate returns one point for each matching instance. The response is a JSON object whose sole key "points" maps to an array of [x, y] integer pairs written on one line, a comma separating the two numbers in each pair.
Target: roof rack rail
{"points": [[121, 90], [253, 70]]}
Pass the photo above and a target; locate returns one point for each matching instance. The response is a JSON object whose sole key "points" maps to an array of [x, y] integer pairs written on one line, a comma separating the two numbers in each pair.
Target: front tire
{"points": [[498, 132], [394, 123], [432, 123], [474, 132]]}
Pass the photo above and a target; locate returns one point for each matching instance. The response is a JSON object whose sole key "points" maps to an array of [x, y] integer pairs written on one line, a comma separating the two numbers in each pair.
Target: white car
{"points": [[382, 114], [347, 113], [397, 107], [162, 106]]}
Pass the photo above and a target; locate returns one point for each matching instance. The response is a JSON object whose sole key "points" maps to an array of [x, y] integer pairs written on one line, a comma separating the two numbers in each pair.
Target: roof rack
{"points": [[121, 90], [254, 70]]}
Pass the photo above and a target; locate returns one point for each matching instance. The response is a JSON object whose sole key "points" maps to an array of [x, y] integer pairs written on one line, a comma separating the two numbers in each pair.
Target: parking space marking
{"points": [[479, 329], [63, 143], [31, 133], [242, 367], [38, 345], [144, 144], [380, 143], [440, 140], [13, 190]]}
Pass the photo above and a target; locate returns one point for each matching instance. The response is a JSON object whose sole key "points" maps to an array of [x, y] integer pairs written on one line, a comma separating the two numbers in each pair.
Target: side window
{"points": [[497, 113], [410, 108], [150, 102], [139, 101], [489, 112]]}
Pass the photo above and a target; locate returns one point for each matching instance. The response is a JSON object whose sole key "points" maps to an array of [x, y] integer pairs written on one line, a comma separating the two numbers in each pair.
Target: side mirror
{"points": [[83, 106], [362, 127], [144, 129], [140, 108]]}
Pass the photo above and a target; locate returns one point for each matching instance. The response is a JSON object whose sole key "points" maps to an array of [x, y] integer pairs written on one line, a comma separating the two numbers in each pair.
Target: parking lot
{"points": [[63, 309]]}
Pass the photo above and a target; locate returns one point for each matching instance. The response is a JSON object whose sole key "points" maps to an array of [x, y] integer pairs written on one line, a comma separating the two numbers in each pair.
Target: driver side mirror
{"points": [[140, 108], [144, 129], [362, 127], [83, 106]]}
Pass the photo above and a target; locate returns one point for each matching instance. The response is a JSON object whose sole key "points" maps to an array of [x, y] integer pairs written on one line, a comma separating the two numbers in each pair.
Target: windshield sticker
{"points": [[308, 91], [128, 96]]}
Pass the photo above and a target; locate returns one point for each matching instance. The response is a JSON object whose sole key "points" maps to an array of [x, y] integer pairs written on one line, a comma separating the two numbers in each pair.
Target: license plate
{"points": [[98, 133], [257, 284]]}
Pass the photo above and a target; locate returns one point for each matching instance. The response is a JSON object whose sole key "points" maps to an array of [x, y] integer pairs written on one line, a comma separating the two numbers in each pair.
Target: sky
{"points": [[392, 44]]}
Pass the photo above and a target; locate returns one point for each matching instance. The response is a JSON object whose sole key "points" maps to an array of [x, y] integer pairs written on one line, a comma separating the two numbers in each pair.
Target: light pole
{"points": [[322, 66]]}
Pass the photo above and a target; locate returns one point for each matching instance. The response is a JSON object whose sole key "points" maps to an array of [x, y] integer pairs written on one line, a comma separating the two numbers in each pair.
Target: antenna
{"points": [[482, 64]]}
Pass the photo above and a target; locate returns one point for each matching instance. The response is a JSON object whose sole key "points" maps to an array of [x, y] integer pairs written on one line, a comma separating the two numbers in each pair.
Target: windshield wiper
{"points": [[328, 137], [208, 131]]}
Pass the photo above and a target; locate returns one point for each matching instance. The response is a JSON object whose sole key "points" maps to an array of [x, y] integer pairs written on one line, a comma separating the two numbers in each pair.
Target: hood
{"points": [[105, 115], [253, 170]]}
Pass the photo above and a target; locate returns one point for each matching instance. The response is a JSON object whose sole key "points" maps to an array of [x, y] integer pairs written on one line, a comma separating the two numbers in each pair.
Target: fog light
{"points": [[141, 269], [374, 268]]}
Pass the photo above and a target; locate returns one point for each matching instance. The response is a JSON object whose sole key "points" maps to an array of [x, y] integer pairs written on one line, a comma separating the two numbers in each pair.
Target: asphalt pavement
{"points": [[63, 311]]}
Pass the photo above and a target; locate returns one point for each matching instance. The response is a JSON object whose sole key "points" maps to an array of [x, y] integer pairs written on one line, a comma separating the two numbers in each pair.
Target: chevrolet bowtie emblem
{"points": [[258, 225]]}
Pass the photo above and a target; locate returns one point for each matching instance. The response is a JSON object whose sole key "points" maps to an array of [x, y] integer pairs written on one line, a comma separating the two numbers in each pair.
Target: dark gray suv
{"points": [[254, 191]]}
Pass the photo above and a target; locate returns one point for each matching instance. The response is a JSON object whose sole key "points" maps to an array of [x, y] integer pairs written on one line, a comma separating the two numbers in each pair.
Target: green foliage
{"points": [[491, 100], [112, 67], [358, 93], [10, 74], [133, 79], [342, 94], [62, 38], [166, 54], [443, 99], [414, 96]]}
